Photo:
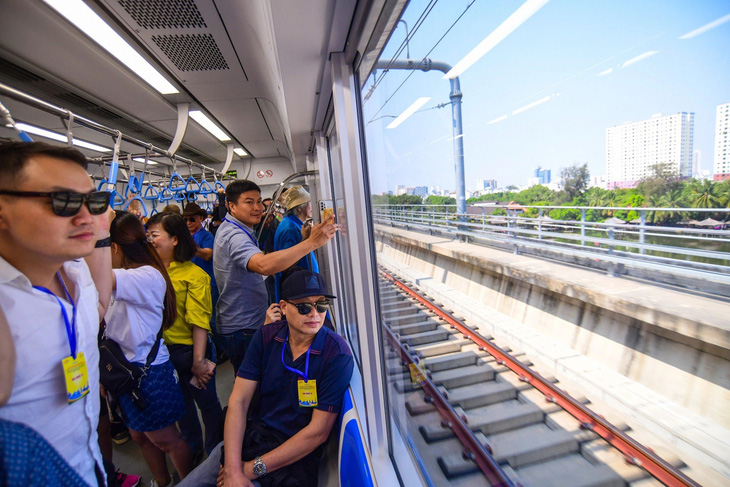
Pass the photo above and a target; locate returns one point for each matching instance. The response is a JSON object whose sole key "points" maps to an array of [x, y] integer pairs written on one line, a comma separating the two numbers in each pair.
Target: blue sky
{"points": [[560, 52]]}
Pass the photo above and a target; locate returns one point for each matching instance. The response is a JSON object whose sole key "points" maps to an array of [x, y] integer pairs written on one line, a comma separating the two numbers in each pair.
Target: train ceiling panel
{"points": [[256, 66]]}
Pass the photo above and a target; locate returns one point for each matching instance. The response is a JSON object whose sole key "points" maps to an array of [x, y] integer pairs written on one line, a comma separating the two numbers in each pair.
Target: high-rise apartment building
{"points": [[722, 152], [633, 149], [486, 184], [543, 175]]}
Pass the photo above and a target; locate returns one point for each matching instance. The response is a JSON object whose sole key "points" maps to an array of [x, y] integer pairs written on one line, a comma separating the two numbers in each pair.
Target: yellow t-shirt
{"points": [[192, 292]]}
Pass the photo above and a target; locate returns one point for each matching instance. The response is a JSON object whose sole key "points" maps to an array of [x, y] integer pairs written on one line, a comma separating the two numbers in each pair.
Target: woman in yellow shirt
{"points": [[187, 338]]}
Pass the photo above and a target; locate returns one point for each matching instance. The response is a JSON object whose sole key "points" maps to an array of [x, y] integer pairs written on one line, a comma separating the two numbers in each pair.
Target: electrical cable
{"points": [[426, 56]]}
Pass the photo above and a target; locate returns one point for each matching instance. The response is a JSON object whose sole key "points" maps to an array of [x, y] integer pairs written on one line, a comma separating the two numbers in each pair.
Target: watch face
{"points": [[259, 468]]}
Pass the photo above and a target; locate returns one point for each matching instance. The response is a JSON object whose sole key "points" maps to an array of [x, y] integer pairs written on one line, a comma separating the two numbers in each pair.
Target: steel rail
{"points": [[633, 452], [473, 448]]}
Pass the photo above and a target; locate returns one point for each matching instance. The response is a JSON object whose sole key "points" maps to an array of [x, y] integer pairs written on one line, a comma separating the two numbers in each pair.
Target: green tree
{"points": [[512, 187], [379, 199], [575, 180], [704, 194], [663, 178], [440, 200], [406, 200]]}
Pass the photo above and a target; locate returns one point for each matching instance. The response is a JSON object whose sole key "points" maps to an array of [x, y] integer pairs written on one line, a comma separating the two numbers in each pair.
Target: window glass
{"points": [[542, 86]]}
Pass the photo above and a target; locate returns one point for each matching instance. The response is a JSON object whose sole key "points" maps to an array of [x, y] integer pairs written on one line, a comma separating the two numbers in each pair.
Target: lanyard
{"points": [[290, 369], [70, 327], [244, 231]]}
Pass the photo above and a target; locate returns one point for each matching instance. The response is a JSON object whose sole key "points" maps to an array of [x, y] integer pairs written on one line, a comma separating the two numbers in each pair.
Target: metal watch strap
{"points": [[259, 467]]}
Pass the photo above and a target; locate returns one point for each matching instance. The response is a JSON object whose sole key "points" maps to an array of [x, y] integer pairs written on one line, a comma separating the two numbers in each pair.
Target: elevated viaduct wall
{"points": [[673, 342]]}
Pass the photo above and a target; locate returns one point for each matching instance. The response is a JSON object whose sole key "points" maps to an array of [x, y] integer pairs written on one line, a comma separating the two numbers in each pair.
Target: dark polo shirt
{"points": [[330, 364]]}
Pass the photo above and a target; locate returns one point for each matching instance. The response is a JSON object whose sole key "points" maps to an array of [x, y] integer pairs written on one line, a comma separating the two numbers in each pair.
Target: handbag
{"points": [[118, 375]]}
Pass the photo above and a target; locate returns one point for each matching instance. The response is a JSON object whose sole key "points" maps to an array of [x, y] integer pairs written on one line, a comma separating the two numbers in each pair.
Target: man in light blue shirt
{"points": [[289, 232], [240, 267]]}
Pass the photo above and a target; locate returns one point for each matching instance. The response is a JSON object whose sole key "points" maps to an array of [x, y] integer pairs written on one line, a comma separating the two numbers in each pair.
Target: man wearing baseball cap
{"points": [[301, 370]]}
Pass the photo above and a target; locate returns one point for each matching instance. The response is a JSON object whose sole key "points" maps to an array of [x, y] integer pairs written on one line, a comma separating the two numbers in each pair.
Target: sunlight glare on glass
{"points": [[31, 129], [408, 112], [638, 58], [527, 10], [533, 104], [208, 125], [497, 120], [706, 27], [86, 20]]}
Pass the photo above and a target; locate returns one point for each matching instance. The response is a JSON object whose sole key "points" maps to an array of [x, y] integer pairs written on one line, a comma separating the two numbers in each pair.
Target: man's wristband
{"points": [[103, 242]]}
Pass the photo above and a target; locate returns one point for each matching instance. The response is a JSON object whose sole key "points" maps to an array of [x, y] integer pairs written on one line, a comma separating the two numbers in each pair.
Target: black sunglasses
{"points": [[68, 203], [305, 308], [191, 219]]}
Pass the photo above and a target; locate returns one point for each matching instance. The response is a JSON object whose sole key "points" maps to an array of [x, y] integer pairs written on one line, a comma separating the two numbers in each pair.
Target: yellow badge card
{"points": [[77, 377], [307, 393], [417, 377]]}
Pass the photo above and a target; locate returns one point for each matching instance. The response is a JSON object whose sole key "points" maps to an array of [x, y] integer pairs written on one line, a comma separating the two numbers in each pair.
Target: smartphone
{"points": [[326, 210]]}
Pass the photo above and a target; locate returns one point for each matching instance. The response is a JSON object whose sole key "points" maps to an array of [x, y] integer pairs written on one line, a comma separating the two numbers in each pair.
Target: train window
{"points": [[514, 92]]}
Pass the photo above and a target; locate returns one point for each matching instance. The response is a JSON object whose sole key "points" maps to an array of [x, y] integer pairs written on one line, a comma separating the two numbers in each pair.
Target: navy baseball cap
{"points": [[302, 284]]}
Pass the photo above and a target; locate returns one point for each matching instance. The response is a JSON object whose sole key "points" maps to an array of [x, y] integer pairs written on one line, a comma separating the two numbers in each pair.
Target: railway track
{"points": [[479, 414]]}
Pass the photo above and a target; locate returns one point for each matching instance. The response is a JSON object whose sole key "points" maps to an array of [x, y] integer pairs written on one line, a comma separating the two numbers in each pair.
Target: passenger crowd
{"points": [[108, 318]]}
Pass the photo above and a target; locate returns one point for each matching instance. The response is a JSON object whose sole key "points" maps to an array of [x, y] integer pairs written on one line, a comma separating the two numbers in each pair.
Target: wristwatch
{"points": [[259, 467]]}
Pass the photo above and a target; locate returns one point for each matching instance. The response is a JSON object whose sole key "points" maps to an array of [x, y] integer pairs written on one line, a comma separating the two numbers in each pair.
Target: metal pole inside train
{"points": [[427, 64]]}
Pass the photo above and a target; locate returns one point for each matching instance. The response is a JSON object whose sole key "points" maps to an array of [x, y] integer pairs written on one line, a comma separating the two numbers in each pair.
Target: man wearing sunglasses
{"points": [[51, 217], [301, 371], [240, 267]]}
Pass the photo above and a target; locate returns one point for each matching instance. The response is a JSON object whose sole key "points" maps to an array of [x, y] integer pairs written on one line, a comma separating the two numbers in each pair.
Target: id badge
{"points": [[307, 393], [417, 378], [77, 377]]}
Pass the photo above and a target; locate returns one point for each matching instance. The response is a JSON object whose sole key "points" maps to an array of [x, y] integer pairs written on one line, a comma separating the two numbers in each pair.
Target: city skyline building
{"points": [[486, 184], [721, 166], [543, 175], [633, 149]]}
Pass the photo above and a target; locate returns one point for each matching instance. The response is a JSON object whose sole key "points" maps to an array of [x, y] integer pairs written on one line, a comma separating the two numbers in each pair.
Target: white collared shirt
{"points": [[135, 315], [39, 398]]}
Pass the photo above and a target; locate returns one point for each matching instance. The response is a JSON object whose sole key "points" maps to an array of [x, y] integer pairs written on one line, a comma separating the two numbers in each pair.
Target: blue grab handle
{"points": [[116, 199], [154, 196], [165, 196], [218, 184], [172, 180], [136, 198], [205, 187], [192, 181], [179, 196]]}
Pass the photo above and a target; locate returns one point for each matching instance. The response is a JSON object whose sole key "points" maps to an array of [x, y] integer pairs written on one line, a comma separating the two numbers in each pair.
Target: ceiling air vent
{"points": [[17, 73], [164, 14], [192, 52]]}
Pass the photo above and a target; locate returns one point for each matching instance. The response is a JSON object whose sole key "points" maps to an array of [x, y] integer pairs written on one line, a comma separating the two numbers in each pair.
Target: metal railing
{"points": [[697, 256]]}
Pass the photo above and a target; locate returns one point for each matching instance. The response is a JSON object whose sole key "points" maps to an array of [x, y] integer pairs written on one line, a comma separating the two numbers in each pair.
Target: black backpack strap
{"points": [[153, 351]]}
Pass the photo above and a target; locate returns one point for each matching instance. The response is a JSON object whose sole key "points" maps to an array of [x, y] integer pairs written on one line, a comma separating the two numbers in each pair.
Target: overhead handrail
{"points": [[9, 120], [43, 105], [136, 198]]}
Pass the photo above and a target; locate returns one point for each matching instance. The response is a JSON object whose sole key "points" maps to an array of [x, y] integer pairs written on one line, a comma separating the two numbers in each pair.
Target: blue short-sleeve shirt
{"points": [[330, 364], [205, 240]]}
